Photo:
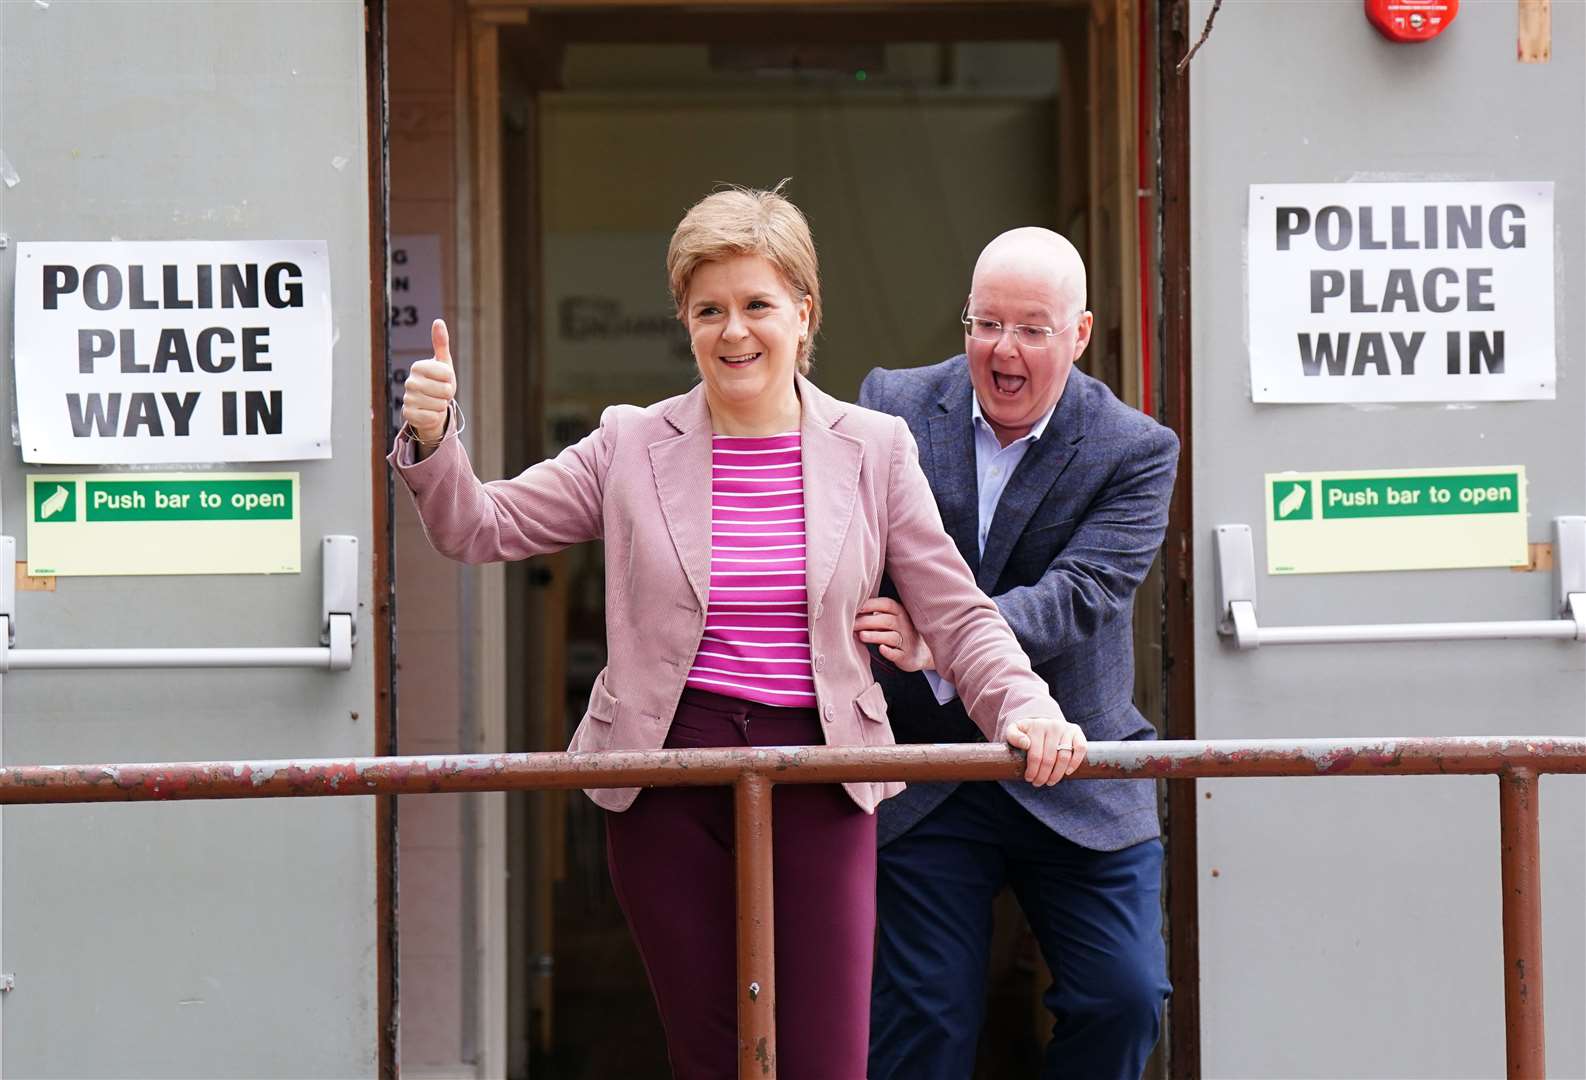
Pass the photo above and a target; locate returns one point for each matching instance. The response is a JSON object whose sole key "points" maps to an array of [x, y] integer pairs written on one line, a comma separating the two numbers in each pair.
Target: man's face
{"points": [[1017, 384]]}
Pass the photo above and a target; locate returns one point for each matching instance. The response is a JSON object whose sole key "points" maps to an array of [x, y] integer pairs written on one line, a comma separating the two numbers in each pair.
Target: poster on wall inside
{"points": [[416, 297], [611, 333], [173, 351], [1398, 292]]}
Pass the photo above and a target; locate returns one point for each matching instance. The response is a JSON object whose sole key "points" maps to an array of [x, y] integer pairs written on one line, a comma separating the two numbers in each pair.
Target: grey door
{"points": [[1350, 927], [220, 938]]}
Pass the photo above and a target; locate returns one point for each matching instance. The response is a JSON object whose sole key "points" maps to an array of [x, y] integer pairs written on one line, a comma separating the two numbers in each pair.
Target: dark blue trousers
{"points": [[1096, 914]]}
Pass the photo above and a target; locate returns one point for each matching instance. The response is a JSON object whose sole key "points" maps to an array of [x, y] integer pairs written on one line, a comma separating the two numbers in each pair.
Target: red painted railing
{"points": [[1517, 761]]}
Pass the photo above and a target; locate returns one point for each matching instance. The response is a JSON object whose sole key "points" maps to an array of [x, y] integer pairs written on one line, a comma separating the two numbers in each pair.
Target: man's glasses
{"points": [[1030, 337]]}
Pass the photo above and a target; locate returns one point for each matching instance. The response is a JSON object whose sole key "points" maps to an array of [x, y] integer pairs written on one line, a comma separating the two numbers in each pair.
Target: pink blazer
{"points": [[641, 482]]}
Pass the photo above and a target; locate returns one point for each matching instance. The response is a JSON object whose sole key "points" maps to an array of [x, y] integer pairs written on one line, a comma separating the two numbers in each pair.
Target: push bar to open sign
{"points": [[1236, 602]]}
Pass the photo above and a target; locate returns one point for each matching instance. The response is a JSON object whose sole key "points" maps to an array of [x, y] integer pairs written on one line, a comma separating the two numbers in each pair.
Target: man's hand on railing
{"points": [[1053, 748]]}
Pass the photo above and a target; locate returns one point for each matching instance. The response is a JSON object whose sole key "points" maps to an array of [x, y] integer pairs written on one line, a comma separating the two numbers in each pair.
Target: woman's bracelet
{"points": [[454, 420]]}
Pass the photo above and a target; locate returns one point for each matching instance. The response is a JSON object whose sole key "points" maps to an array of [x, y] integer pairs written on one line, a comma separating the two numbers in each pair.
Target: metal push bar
{"points": [[1236, 602], [338, 629]]}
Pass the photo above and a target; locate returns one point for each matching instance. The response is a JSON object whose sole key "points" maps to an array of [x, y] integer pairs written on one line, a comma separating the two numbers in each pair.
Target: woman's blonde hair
{"points": [[748, 221]]}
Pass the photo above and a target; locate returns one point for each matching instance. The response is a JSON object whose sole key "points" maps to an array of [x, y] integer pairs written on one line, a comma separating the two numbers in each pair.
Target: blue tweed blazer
{"points": [[1076, 531]]}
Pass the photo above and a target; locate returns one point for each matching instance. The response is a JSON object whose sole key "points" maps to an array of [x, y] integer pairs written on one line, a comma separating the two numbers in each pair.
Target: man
{"points": [[1057, 496]]}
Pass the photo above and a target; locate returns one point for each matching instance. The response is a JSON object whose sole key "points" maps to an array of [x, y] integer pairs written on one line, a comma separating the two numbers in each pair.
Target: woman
{"points": [[744, 522]]}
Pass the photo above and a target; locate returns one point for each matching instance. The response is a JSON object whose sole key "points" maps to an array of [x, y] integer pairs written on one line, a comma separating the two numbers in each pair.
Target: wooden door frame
{"points": [[382, 637], [1173, 192], [479, 334]]}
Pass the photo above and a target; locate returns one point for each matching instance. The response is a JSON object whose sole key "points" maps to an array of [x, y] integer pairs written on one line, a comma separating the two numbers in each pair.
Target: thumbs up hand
{"points": [[431, 385]]}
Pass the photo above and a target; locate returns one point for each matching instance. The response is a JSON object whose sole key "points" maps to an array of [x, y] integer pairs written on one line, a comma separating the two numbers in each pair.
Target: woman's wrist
{"points": [[428, 441], [424, 447]]}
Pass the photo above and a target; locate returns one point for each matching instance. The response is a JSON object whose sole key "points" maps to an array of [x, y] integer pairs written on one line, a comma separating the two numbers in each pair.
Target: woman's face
{"points": [[746, 327]]}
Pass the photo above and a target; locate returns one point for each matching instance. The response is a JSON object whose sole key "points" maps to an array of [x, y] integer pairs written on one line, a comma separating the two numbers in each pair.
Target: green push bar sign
{"points": [[1404, 519], [164, 523]]}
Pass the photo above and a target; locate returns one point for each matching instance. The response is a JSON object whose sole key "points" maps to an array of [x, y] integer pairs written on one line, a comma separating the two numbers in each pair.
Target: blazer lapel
{"points": [[681, 465], [1037, 473], [831, 487], [950, 467]]}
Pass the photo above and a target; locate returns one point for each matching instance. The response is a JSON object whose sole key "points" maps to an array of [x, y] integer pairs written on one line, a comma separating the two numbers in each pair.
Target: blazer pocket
{"points": [[872, 703], [873, 726], [602, 705], [1037, 549], [1042, 530], [595, 730]]}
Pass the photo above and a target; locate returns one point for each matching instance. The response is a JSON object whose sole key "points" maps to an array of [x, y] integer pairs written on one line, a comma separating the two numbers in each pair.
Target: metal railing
{"points": [[1517, 761]]}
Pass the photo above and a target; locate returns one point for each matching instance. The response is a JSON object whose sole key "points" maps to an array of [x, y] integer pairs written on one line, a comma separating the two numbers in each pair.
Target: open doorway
{"points": [[909, 138]]}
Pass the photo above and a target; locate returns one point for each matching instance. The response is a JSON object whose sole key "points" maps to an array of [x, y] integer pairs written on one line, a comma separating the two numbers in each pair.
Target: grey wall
{"points": [[1350, 927], [194, 939]]}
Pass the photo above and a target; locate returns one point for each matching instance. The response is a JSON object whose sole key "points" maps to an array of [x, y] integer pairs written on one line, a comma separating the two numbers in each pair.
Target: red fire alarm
{"points": [[1411, 20]]}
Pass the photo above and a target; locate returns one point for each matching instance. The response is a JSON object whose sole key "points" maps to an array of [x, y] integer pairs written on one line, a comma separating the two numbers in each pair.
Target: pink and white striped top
{"points": [[757, 641]]}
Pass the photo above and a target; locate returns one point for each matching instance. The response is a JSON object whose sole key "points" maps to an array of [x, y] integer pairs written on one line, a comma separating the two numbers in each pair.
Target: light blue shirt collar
{"points": [[979, 419]]}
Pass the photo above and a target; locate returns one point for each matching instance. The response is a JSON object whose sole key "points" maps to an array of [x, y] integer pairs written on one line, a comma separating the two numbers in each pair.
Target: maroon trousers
{"points": [[671, 861]]}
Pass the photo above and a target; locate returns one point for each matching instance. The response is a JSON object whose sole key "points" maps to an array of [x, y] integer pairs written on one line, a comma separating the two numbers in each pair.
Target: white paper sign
{"points": [[415, 291], [179, 351], [1401, 292]]}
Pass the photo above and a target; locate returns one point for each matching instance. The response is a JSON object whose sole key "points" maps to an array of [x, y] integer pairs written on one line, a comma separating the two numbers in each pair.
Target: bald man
{"points": [[1057, 495]]}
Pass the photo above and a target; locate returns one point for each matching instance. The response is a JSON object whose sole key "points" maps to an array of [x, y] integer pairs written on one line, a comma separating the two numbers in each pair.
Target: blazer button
{"points": [[831, 714], [820, 663]]}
